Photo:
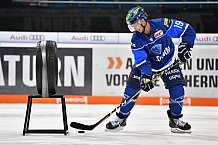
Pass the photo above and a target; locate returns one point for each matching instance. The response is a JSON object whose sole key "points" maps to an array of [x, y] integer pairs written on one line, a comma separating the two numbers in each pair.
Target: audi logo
{"points": [[36, 37], [97, 38], [215, 38]]}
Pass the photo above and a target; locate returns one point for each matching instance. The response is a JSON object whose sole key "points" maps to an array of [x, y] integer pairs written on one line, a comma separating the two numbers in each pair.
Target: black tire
{"points": [[52, 67], [39, 68]]}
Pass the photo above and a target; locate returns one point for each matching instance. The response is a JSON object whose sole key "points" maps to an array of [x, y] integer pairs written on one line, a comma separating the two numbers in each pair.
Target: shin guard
{"points": [[125, 109], [176, 99]]}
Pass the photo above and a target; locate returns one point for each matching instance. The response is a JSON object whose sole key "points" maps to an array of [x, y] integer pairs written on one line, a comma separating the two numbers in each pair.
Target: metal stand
{"points": [[28, 112], [47, 72]]}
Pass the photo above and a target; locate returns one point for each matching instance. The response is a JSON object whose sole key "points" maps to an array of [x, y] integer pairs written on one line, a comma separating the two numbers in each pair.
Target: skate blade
{"points": [[177, 130], [114, 130]]}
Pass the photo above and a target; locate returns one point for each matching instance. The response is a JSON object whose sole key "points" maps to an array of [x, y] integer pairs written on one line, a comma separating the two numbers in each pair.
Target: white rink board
{"points": [[204, 72], [100, 55], [87, 38], [203, 81], [116, 47], [108, 82]]}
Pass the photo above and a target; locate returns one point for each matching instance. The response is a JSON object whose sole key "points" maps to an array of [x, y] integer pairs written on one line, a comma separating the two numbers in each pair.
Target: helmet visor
{"points": [[134, 27]]}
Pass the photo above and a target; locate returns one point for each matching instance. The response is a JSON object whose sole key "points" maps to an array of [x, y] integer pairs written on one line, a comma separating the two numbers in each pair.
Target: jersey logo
{"points": [[166, 22], [156, 49], [158, 34], [166, 51]]}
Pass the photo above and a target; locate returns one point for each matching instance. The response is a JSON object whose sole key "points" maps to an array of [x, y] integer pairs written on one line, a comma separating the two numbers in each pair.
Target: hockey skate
{"points": [[177, 125], [116, 123]]}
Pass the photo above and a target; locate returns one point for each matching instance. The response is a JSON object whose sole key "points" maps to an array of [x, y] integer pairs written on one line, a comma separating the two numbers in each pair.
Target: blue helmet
{"points": [[135, 14]]}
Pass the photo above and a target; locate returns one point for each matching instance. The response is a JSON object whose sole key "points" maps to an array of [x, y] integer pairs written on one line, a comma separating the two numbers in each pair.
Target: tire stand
{"points": [[44, 90]]}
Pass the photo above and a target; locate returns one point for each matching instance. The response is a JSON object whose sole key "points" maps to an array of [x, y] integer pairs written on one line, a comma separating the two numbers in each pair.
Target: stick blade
{"points": [[80, 126]]}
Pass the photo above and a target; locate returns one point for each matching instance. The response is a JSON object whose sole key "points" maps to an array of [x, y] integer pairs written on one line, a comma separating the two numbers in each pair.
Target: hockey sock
{"points": [[176, 99], [125, 109]]}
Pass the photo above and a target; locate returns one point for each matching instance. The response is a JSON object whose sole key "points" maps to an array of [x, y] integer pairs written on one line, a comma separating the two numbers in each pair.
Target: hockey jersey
{"points": [[156, 51]]}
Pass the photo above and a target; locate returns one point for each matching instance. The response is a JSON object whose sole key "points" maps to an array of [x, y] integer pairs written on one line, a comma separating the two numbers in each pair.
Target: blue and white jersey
{"points": [[156, 51]]}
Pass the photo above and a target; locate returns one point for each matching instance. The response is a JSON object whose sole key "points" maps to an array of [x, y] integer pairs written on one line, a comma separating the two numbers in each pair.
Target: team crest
{"points": [[156, 49]]}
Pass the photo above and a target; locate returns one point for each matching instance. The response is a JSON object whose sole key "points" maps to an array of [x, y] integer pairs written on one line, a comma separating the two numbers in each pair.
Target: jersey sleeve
{"points": [[140, 56], [177, 29]]}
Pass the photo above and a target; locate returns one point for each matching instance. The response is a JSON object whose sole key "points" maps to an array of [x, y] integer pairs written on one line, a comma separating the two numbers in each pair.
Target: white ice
{"points": [[147, 125]]}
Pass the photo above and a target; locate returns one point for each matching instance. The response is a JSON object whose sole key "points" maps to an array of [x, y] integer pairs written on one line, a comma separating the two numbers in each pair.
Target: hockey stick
{"points": [[91, 127]]}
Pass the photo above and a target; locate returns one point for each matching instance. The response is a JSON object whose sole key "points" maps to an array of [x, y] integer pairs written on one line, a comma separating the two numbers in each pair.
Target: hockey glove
{"points": [[184, 52], [144, 79]]}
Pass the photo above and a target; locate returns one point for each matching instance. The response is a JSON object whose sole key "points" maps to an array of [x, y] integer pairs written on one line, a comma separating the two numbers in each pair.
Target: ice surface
{"points": [[147, 125]]}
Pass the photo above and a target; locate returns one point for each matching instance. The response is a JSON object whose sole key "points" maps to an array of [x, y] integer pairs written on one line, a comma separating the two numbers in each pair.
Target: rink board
{"points": [[96, 72], [142, 100]]}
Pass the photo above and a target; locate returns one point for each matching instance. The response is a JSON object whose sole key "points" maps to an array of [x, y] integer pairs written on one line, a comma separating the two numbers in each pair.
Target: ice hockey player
{"points": [[153, 51]]}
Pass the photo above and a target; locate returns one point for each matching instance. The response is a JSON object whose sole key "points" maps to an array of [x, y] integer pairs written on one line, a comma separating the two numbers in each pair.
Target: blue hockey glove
{"points": [[143, 82], [184, 52]]}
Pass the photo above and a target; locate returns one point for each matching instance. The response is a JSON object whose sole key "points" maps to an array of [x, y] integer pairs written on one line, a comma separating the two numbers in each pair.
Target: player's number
{"points": [[178, 24]]}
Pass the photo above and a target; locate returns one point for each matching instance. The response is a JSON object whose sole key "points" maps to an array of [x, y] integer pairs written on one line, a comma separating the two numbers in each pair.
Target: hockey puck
{"points": [[81, 131]]}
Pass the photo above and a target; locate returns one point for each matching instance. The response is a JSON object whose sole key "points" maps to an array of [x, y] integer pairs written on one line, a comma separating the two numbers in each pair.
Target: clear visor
{"points": [[134, 27]]}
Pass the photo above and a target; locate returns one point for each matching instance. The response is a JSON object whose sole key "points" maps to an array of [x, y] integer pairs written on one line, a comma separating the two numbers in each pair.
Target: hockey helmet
{"points": [[135, 15]]}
